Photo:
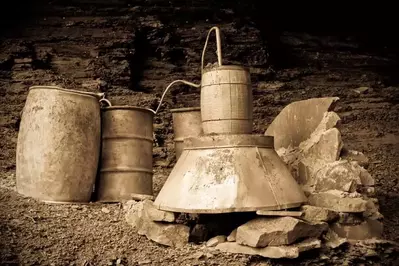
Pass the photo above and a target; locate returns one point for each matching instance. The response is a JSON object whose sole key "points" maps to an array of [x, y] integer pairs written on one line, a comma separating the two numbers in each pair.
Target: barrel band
{"points": [[225, 83], [228, 147], [128, 136], [127, 169]]}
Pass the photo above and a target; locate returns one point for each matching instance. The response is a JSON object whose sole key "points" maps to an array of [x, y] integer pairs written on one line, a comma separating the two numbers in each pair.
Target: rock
{"points": [[339, 175], [350, 218], [233, 236], [317, 214], [157, 215], [262, 232], [365, 178], [274, 252], [332, 240], [362, 90], [105, 210], [173, 235], [365, 230], [214, 241], [134, 215], [199, 233], [372, 211], [338, 201], [355, 156], [166, 234], [296, 122], [139, 197], [326, 146], [279, 213]]}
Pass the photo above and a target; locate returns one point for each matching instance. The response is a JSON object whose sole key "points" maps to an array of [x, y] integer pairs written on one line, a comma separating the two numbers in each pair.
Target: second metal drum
{"points": [[126, 158], [186, 123]]}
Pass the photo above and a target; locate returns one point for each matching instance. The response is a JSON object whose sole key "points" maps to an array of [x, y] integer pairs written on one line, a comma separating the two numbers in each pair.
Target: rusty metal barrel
{"points": [[186, 123], [226, 96], [58, 145], [126, 158]]}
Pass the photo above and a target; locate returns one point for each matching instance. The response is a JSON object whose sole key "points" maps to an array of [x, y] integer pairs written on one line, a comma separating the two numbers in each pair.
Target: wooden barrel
{"points": [[186, 123], [226, 100], [226, 96], [126, 157], [58, 145]]}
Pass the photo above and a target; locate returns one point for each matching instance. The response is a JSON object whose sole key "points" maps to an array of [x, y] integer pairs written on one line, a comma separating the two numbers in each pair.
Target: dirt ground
{"points": [[77, 46]]}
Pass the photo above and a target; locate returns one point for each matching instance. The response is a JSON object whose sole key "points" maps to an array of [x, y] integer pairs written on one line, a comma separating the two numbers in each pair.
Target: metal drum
{"points": [[226, 97], [58, 145], [126, 159], [186, 123]]}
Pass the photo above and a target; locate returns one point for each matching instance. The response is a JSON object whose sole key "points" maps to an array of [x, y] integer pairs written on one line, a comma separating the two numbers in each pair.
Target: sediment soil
{"points": [[132, 53]]}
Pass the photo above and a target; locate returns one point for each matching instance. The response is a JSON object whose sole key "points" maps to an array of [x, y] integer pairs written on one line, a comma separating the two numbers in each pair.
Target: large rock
{"points": [[166, 234], [273, 252], [296, 122], [339, 175], [315, 214], [262, 232], [174, 235], [157, 215], [338, 201], [332, 240], [365, 230]]}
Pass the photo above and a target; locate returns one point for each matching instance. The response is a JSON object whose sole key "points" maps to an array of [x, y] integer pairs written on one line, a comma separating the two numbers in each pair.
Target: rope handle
{"points": [[169, 86], [218, 47]]}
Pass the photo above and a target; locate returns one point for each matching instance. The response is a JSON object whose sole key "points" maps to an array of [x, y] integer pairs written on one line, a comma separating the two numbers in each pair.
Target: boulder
{"points": [[339, 175], [166, 234], [338, 201], [317, 214], [296, 122], [274, 252], [157, 215], [173, 235], [326, 146], [332, 240], [262, 232]]}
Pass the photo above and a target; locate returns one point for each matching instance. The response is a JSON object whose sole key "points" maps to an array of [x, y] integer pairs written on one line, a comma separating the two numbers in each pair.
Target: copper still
{"points": [[228, 169]]}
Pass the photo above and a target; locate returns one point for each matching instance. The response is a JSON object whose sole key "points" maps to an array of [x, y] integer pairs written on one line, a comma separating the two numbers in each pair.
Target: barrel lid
{"points": [[127, 107], [226, 67], [185, 109], [86, 93], [233, 140]]}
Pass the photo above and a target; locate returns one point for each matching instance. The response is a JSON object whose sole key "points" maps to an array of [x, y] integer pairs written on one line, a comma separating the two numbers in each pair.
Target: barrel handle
{"points": [[169, 86], [106, 101], [218, 47]]}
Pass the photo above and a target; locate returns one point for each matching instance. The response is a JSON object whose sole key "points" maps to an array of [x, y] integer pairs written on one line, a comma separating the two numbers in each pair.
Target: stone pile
{"points": [[334, 178], [267, 236]]}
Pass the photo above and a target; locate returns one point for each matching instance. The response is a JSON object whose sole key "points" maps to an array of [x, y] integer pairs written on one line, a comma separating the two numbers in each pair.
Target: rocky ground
{"points": [[132, 52]]}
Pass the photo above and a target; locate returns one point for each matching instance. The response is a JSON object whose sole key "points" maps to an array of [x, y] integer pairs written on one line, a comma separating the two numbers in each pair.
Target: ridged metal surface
{"points": [[126, 157]]}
